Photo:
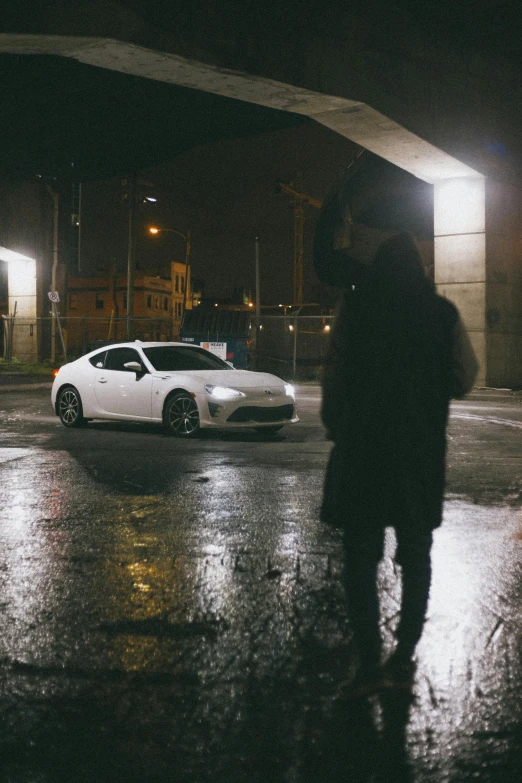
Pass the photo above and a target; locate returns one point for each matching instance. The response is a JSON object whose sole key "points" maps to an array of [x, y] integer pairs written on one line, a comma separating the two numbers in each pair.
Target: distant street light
{"points": [[155, 230]]}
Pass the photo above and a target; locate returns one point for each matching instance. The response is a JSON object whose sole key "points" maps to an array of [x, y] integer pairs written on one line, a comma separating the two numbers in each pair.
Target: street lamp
{"points": [[155, 230], [132, 186]]}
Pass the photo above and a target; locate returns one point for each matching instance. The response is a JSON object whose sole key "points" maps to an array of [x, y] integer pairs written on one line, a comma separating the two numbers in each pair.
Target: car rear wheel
{"points": [[181, 416], [70, 408]]}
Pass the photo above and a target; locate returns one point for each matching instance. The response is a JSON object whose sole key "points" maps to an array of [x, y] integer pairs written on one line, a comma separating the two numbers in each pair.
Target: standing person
{"points": [[398, 353]]}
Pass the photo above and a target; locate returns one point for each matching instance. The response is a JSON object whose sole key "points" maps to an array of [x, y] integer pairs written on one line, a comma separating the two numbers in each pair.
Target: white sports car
{"points": [[182, 386]]}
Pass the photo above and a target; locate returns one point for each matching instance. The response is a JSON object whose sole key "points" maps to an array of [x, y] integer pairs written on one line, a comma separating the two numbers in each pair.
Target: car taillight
{"points": [[55, 373]]}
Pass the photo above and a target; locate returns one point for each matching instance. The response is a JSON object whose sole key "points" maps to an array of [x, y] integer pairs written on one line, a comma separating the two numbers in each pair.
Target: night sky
{"points": [[226, 194]]}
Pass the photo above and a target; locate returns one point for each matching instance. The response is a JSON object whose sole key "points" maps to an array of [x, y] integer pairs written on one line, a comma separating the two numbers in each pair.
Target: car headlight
{"points": [[222, 392], [289, 390]]}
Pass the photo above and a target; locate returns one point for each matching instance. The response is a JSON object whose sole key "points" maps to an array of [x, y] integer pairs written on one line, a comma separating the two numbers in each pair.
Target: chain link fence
{"points": [[288, 346], [41, 339], [291, 346]]}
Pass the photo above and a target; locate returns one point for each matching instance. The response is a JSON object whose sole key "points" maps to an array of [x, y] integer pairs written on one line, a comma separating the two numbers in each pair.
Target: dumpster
{"points": [[226, 333]]}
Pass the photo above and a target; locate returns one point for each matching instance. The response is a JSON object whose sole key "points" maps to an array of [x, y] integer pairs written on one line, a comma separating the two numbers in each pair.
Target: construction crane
{"points": [[300, 199]]}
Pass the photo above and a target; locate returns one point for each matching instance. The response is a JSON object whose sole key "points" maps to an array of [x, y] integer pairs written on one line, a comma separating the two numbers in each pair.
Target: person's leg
{"points": [[362, 556], [361, 559], [414, 556]]}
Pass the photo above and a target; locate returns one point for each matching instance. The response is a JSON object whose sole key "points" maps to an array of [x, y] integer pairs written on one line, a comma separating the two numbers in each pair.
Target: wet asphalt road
{"points": [[171, 610]]}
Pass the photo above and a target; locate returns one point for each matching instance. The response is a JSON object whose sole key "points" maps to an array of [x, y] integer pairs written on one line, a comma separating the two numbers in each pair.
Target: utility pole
{"points": [[187, 268], [258, 303], [131, 257], [79, 227], [54, 273], [300, 199]]}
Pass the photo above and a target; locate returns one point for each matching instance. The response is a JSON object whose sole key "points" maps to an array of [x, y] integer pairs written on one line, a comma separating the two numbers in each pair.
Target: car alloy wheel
{"points": [[182, 416], [70, 408]]}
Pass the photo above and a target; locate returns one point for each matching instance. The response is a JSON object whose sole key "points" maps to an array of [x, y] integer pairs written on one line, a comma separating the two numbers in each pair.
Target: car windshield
{"points": [[173, 357]]}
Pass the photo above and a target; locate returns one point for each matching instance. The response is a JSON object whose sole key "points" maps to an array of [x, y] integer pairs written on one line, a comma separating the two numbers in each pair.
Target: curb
{"points": [[487, 393]]}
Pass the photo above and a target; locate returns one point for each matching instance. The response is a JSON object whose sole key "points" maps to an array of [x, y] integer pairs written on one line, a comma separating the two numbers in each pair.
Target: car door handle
{"points": [[102, 380]]}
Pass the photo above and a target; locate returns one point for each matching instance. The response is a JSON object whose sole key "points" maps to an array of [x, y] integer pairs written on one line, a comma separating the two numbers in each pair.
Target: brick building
{"points": [[96, 307]]}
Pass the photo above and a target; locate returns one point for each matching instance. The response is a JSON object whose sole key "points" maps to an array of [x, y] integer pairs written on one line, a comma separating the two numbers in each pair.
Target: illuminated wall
{"points": [[22, 286], [478, 265]]}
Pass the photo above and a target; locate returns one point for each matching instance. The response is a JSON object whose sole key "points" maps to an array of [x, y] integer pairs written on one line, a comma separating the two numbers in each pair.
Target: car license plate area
{"points": [[261, 414]]}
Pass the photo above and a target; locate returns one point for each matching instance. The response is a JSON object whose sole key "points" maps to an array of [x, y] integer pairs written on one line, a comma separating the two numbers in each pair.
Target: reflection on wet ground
{"points": [[177, 615]]}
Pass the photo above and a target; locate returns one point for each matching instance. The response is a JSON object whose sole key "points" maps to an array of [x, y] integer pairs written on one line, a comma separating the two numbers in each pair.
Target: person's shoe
{"points": [[400, 672], [368, 681]]}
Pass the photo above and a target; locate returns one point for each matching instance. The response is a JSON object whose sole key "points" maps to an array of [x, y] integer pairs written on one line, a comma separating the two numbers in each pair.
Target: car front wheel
{"points": [[70, 408], [181, 416]]}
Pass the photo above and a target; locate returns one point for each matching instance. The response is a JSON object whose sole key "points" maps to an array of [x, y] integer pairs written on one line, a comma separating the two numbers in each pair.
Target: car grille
{"points": [[262, 415]]}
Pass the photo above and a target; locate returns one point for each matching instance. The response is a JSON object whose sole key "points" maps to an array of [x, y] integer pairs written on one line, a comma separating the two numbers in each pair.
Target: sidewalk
{"points": [[489, 394], [22, 381]]}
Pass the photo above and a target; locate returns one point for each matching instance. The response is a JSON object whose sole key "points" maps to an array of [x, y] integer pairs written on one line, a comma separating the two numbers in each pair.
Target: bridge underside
{"points": [[478, 253]]}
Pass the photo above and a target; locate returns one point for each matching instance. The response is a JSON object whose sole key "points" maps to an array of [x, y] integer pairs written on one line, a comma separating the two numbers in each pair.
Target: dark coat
{"points": [[397, 355], [386, 391]]}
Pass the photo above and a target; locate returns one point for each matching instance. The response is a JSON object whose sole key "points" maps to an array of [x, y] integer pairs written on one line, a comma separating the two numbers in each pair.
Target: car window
{"points": [[117, 357], [170, 357], [98, 360]]}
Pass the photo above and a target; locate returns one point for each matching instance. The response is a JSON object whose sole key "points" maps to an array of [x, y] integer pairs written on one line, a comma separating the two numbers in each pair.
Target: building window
{"points": [[176, 284], [179, 309], [156, 302], [99, 302], [182, 284], [124, 301], [73, 299], [165, 304], [149, 301]]}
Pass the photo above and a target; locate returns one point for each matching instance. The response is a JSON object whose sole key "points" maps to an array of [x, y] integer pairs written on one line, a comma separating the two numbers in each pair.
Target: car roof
{"points": [[140, 344]]}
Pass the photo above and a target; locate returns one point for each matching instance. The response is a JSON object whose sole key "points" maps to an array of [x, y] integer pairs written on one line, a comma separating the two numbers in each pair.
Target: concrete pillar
{"points": [[478, 265], [22, 286]]}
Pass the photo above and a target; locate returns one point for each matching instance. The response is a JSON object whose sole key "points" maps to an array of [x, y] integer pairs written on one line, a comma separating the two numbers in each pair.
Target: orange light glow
{"points": [[154, 230]]}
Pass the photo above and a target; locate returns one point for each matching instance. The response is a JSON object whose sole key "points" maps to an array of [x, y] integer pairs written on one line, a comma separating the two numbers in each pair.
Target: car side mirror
{"points": [[134, 367]]}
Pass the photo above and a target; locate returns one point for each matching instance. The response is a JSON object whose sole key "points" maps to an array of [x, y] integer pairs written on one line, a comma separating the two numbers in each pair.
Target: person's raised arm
{"points": [[333, 263]]}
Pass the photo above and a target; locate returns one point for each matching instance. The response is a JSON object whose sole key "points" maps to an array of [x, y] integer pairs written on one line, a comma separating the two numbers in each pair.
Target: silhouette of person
{"points": [[398, 353]]}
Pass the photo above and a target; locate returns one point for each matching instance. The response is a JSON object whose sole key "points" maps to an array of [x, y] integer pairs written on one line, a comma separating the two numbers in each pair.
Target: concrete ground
{"points": [[172, 610]]}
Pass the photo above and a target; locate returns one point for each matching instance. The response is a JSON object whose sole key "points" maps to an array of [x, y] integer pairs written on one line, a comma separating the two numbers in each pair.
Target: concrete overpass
{"points": [[415, 89]]}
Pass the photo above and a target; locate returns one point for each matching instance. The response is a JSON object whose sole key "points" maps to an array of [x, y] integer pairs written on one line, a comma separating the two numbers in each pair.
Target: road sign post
{"points": [[54, 297]]}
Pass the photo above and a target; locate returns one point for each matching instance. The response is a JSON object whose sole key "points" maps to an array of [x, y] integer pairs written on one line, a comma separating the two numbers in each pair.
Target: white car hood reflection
{"points": [[238, 379]]}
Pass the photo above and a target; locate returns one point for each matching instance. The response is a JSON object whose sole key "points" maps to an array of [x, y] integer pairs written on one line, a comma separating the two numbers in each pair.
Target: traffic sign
{"points": [[54, 296]]}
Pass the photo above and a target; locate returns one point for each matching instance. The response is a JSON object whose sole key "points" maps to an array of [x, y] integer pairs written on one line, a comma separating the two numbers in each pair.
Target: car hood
{"points": [[237, 379]]}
